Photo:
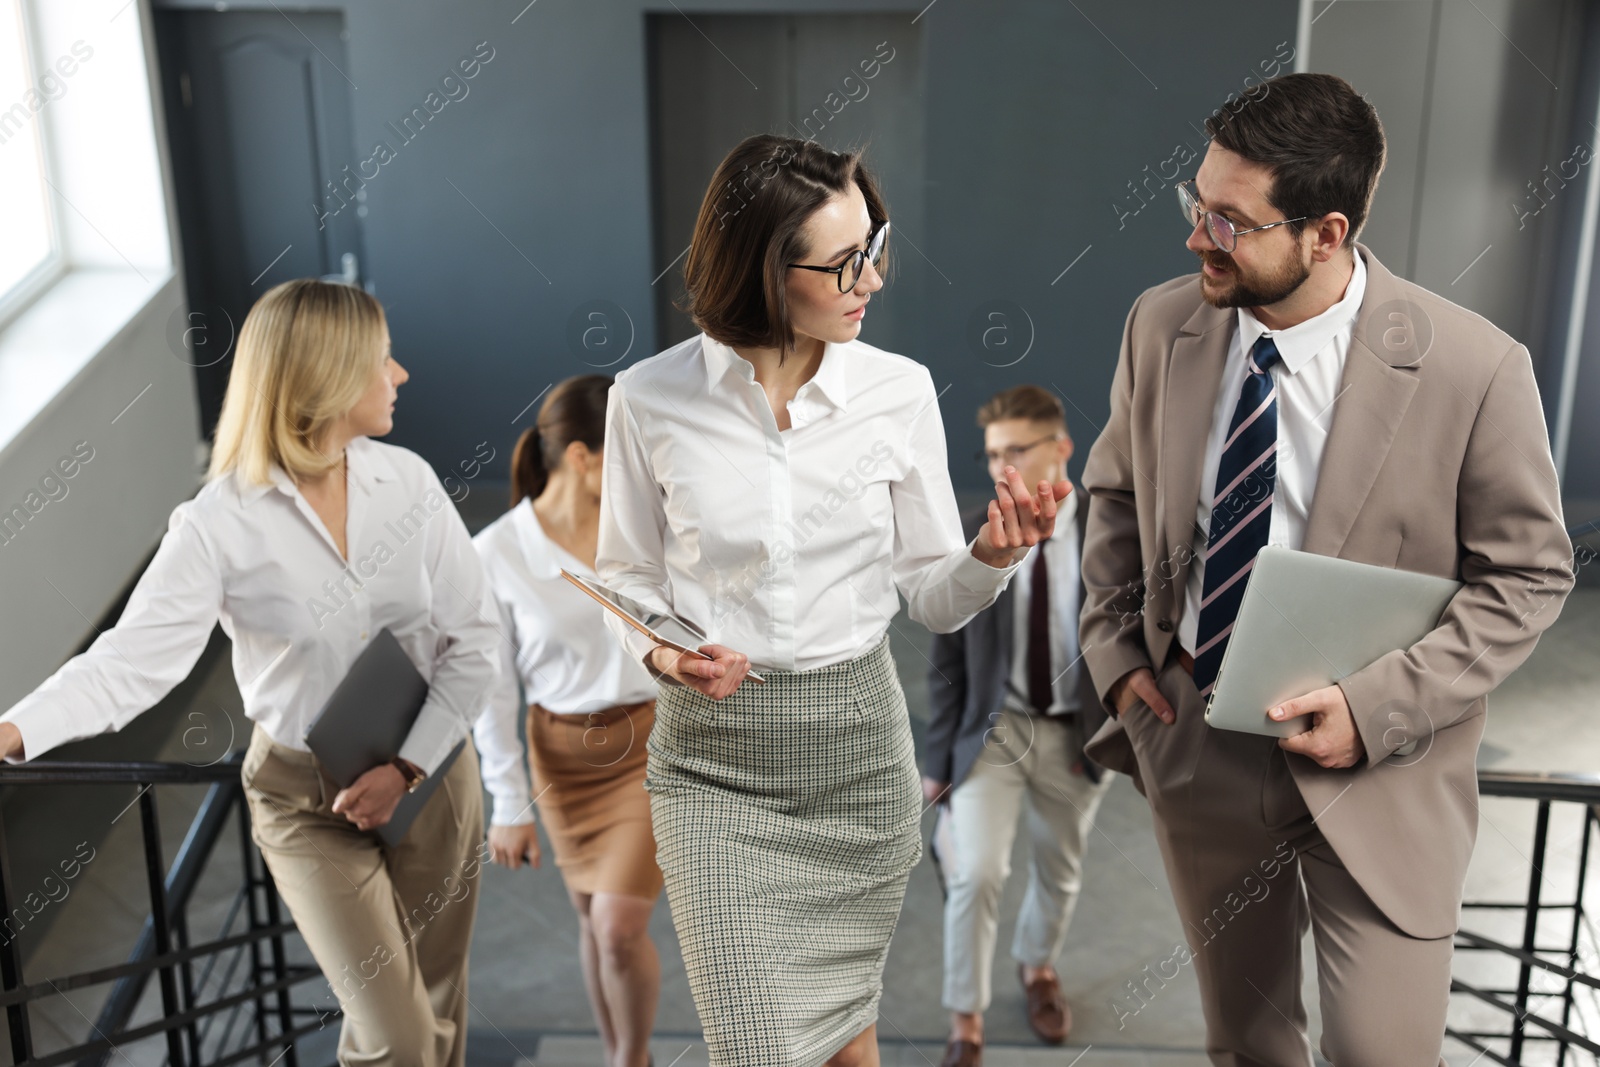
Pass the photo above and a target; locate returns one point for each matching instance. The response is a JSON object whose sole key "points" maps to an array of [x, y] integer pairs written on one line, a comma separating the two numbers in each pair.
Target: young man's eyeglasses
{"points": [[849, 272], [1013, 454], [1221, 228]]}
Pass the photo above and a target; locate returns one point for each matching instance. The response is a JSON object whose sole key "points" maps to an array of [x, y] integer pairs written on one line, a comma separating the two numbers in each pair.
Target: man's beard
{"points": [[1259, 290]]}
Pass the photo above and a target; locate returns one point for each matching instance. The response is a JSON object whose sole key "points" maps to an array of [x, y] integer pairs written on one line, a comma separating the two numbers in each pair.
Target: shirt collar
{"points": [[537, 549], [1066, 515], [829, 382], [1299, 344], [367, 466]]}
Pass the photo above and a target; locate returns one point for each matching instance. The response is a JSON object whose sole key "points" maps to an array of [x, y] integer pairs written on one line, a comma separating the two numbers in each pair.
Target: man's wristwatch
{"points": [[413, 774]]}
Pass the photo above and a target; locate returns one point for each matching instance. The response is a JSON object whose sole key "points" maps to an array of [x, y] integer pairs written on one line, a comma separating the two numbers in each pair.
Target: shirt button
{"points": [[1164, 626], [364, 634]]}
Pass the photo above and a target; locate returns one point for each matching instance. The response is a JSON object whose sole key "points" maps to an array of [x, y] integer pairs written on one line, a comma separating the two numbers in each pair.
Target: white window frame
{"points": [[55, 264]]}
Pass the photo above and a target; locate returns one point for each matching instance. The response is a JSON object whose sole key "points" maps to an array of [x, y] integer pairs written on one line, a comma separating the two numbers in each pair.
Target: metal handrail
{"points": [[1563, 962], [1540, 785], [163, 949], [78, 772]]}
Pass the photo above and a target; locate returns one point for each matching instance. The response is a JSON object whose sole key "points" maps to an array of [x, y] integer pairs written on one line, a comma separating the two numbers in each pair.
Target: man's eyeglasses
{"points": [[849, 272], [1222, 230], [1013, 454]]}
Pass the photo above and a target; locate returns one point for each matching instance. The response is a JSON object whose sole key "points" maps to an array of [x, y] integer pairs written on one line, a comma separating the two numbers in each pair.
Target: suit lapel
{"points": [[1374, 392], [1194, 374]]}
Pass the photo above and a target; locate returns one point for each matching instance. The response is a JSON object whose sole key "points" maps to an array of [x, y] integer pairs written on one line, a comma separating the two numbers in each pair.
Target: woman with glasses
{"points": [[774, 481]]}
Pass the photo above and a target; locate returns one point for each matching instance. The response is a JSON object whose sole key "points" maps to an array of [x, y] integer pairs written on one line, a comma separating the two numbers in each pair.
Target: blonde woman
{"points": [[307, 540], [590, 708]]}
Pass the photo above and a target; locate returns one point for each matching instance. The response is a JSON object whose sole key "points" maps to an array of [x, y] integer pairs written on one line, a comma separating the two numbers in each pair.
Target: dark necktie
{"points": [[1040, 694], [1241, 510]]}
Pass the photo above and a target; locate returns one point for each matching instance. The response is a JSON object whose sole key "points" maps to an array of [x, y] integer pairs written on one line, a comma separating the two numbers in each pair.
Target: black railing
{"points": [[1555, 999], [197, 1034]]}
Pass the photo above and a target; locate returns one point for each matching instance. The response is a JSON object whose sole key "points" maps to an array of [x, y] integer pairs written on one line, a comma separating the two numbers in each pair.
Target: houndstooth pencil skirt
{"points": [[786, 823]]}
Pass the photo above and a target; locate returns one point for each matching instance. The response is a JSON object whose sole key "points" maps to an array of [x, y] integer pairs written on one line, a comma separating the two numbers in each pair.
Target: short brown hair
{"points": [[750, 229], [1322, 139], [1030, 402]]}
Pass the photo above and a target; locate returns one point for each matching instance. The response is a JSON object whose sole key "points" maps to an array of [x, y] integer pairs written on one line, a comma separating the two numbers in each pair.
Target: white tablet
{"points": [[659, 626]]}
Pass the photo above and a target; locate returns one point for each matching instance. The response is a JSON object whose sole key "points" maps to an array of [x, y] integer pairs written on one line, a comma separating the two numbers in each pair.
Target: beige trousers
{"points": [[390, 927], [1250, 872], [1024, 775]]}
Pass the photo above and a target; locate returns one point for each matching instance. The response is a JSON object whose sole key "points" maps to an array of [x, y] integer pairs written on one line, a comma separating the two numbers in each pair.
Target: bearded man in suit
{"points": [[1298, 393]]}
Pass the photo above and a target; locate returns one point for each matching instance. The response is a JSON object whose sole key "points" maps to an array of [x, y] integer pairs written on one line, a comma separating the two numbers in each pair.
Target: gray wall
{"points": [[1037, 116], [1471, 102]]}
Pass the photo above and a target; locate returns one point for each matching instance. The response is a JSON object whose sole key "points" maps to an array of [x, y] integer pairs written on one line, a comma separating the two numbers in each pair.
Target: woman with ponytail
{"points": [[589, 707]]}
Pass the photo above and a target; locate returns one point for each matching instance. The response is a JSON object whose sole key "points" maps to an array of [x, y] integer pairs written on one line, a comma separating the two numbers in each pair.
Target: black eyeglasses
{"points": [[1013, 454], [1223, 233], [849, 272]]}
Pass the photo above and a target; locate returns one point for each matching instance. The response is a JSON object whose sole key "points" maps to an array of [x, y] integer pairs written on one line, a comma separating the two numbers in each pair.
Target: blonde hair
{"points": [[307, 352]]}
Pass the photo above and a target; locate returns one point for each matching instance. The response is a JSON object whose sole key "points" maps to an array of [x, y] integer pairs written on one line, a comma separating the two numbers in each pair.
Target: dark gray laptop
{"points": [[366, 720]]}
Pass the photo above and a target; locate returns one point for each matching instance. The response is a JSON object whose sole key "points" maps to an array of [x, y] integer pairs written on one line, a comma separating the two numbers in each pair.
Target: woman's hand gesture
{"points": [[1017, 521]]}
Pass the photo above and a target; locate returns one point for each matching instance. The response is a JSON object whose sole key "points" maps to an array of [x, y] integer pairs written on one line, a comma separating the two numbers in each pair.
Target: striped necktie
{"points": [[1241, 510]]}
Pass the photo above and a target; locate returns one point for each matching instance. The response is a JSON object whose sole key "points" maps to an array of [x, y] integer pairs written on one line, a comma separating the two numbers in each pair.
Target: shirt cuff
{"points": [[432, 736], [978, 576], [513, 811], [42, 729], [640, 646], [637, 644]]}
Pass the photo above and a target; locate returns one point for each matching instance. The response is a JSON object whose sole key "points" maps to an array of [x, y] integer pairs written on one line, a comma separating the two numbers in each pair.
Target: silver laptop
{"points": [[1307, 621]]}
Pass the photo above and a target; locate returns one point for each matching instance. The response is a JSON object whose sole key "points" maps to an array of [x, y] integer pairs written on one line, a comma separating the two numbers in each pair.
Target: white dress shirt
{"points": [[259, 560], [1307, 377], [557, 646], [785, 545], [1062, 561]]}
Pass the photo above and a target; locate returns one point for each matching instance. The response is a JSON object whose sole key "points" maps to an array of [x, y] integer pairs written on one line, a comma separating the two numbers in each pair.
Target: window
{"points": [[28, 252]]}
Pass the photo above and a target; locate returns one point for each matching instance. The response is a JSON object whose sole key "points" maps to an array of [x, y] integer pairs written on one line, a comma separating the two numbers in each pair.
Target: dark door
{"points": [[264, 167], [844, 81]]}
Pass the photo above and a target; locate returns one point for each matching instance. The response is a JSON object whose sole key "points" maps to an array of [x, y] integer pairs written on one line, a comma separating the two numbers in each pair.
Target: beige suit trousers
{"points": [[1024, 775], [1249, 872], [390, 927]]}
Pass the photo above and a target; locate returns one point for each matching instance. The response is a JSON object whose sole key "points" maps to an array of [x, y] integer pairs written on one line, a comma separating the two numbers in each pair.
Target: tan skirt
{"points": [[588, 776]]}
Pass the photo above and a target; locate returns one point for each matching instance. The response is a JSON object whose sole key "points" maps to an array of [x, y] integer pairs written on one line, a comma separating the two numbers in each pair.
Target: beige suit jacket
{"points": [[1437, 461]]}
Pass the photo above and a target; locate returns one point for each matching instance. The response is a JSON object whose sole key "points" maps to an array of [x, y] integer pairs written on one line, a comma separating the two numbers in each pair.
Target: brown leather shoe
{"points": [[960, 1053], [1048, 1013]]}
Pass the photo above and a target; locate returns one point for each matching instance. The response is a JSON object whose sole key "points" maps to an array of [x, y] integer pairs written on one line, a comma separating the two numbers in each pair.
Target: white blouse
{"points": [[259, 560], [785, 545], [556, 646]]}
